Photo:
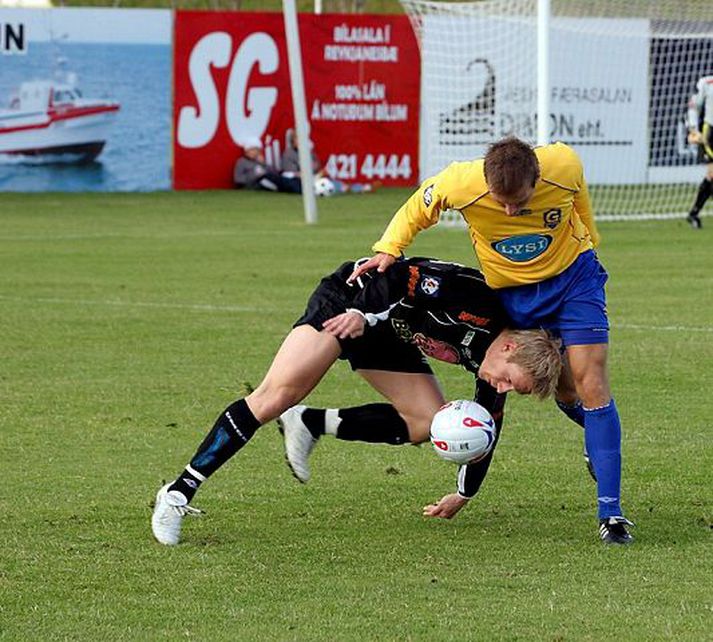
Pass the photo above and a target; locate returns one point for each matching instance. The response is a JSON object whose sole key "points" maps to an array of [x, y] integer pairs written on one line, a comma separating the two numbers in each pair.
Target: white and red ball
{"points": [[463, 432]]}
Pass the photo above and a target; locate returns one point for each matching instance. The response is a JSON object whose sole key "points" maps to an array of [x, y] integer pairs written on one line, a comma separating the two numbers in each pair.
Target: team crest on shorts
{"points": [[430, 285]]}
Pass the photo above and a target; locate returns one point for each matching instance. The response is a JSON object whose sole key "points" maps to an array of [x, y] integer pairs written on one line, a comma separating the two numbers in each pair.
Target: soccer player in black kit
{"points": [[384, 324]]}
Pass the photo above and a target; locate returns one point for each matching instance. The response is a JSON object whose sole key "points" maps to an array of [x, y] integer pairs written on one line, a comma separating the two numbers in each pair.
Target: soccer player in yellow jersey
{"points": [[530, 221]]}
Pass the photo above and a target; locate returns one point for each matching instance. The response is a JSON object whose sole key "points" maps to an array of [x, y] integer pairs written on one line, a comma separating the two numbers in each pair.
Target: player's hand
{"points": [[348, 325], [446, 508], [381, 261], [695, 138]]}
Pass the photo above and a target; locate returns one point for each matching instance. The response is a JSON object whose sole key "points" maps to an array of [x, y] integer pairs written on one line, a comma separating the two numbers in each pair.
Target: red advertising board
{"points": [[231, 84]]}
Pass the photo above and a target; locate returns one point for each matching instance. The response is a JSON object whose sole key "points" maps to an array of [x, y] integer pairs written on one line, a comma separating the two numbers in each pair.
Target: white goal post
{"points": [[294, 55], [620, 74]]}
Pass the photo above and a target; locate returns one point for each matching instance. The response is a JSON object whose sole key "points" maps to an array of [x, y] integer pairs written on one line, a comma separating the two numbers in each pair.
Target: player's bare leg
{"points": [[302, 360], [415, 396]]}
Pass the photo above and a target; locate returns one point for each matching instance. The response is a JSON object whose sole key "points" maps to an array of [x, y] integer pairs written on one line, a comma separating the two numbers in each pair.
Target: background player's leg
{"points": [[704, 191]]}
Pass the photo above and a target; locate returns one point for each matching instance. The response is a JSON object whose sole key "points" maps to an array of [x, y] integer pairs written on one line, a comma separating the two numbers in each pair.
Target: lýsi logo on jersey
{"points": [[522, 248]]}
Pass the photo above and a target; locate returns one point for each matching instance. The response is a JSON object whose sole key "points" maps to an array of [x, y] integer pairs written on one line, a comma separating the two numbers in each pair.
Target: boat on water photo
{"points": [[49, 121]]}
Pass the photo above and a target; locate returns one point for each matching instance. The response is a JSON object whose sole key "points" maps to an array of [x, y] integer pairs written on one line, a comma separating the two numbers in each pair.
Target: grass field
{"points": [[129, 321]]}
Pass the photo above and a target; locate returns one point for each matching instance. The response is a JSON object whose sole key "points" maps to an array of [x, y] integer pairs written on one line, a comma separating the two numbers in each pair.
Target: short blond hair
{"points": [[538, 353]]}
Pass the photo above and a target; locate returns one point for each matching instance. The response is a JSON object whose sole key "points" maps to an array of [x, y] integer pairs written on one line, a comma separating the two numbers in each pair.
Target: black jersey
{"points": [[445, 309]]}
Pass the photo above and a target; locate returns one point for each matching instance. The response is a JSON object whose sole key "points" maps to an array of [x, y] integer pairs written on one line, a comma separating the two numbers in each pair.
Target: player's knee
{"points": [[271, 401], [594, 391]]}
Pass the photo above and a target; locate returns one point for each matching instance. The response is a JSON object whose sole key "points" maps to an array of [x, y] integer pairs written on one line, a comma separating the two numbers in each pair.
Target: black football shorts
{"points": [[379, 348]]}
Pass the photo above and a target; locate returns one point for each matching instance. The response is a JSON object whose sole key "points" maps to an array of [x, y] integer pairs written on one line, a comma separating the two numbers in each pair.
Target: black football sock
{"points": [[188, 482], [313, 418], [704, 191], [231, 431], [376, 423]]}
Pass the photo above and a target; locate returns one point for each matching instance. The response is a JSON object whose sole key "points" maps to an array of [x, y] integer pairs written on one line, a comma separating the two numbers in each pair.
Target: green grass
{"points": [[129, 321]]}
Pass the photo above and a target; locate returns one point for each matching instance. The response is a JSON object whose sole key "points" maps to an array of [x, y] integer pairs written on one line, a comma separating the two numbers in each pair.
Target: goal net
{"points": [[621, 74]]}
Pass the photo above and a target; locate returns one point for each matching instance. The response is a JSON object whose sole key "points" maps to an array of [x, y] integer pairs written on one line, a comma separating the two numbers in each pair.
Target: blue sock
{"points": [[602, 436], [575, 412]]}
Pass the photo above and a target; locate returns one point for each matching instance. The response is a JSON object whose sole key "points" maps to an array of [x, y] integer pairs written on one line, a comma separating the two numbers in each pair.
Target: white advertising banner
{"points": [[600, 95], [598, 80]]}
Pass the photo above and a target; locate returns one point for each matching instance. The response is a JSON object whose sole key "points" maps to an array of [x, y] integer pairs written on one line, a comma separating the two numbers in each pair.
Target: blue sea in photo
{"points": [[138, 149]]}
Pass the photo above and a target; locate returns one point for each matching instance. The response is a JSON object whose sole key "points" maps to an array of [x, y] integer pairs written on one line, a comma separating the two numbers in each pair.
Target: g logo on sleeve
{"points": [[522, 248]]}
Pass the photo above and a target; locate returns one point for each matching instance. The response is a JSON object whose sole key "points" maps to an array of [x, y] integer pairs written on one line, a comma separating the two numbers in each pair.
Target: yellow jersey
{"points": [[542, 240]]}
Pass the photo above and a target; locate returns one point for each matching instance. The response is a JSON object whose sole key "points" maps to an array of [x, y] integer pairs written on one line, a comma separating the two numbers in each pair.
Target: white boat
{"points": [[50, 121]]}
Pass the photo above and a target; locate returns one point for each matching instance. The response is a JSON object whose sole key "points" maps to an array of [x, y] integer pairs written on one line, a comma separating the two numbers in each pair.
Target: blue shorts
{"points": [[572, 305]]}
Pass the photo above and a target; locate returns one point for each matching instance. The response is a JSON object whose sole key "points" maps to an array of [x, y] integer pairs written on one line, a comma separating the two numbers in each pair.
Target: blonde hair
{"points": [[538, 353]]}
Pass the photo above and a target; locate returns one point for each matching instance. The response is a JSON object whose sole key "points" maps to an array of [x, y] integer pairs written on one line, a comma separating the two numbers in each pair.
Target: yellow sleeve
{"points": [[582, 203], [583, 207], [419, 212]]}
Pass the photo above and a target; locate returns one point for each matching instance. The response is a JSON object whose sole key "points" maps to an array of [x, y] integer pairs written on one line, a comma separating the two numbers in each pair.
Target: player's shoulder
{"points": [[555, 154], [462, 182], [560, 164]]}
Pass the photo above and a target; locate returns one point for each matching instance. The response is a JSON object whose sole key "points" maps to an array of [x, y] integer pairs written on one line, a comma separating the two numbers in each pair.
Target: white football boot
{"points": [[168, 513], [299, 442]]}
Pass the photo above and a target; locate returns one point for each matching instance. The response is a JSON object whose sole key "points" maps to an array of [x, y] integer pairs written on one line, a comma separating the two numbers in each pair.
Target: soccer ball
{"points": [[463, 432], [324, 186]]}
